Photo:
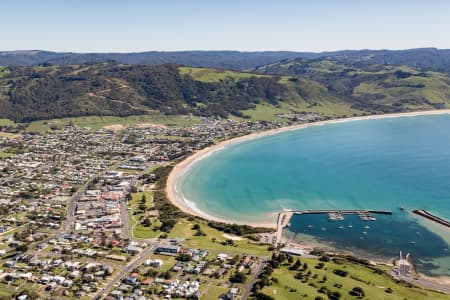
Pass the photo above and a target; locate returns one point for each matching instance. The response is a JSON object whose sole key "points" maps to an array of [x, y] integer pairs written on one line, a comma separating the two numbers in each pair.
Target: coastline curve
{"points": [[177, 199]]}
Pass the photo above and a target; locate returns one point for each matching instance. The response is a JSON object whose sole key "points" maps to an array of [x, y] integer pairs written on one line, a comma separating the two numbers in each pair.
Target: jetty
{"points": [[426, 214], [283, 220], [285, 216]]}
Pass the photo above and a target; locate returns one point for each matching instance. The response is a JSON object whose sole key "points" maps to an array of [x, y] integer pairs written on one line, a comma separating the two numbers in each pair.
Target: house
{"points": [[234, 292], [9, 263], [156, 263], [247, 261], [222, 256], [168, 250], [147, 281], [133, 249]]}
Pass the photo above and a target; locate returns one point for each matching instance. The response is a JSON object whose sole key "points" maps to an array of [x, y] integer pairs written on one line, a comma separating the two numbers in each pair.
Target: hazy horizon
{"points": [[220, 50]]}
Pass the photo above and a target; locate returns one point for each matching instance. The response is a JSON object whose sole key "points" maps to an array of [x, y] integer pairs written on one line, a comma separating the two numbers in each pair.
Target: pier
{"points": [[426, 214], [285, 216]]}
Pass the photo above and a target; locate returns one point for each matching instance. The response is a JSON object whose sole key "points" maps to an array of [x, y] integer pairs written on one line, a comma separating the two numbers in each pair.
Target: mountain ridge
{"points": [[424, 58]]}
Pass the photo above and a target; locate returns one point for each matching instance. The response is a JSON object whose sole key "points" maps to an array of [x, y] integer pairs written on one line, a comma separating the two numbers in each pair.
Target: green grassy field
{"points": [[6, 292], [136, 214], [9, 135], [97, 122], [374, 285], [211, 291], [184, 229], [5, 155], [213, 75], [269, 113], [6, 122], [266, 112]]}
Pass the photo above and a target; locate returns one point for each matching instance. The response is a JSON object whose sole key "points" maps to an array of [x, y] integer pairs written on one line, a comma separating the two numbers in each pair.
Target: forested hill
{"points": [[30, 93], [424, 58], [215, 59], [322, 86]]}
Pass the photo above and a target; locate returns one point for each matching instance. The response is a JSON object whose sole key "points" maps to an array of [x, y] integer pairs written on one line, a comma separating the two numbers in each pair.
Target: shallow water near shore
{"points": [[378, 164]]}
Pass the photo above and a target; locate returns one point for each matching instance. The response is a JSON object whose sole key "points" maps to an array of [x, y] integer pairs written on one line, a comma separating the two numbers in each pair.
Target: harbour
{"points": [[285, 216]]}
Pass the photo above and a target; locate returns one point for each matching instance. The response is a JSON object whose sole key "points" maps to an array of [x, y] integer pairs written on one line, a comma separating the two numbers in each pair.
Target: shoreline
{"points": [[177, 199]]}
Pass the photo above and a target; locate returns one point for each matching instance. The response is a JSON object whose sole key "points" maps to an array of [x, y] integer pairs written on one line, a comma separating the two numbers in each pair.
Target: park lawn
{"points": [[373, 284], [183, 230], [139, 230], [212, 291], [214, 75], [142, 232], [136, 199]]}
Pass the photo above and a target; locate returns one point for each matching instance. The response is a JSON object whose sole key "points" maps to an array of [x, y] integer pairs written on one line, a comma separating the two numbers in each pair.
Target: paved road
{"points": [[248, 287], [445, 288], [73, 204], [126, 230], [73, 200], [139, 259]]}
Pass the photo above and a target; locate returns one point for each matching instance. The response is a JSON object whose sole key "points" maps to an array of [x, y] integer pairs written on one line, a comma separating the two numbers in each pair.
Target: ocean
{"points": [[378, 164]]}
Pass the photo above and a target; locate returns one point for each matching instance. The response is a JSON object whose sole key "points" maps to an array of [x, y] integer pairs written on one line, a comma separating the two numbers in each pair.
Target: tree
{"points": [[296, 265], [167, 275], [261, 296], [238, 277], [147, 222], [357, 291]]}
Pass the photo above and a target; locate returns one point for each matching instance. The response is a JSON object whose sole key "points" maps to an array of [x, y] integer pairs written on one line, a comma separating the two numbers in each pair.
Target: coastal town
{"points": [[82, 218], [69, 209]]}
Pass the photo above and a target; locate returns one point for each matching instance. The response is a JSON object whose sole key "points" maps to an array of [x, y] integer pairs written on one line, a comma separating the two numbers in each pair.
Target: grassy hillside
{"points": [[318, 280], [328, 87], [373, 87], [215, 75]]}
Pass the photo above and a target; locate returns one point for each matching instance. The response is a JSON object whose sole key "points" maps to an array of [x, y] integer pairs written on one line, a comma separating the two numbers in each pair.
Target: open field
{"points": [[97, 122], [6, 122], [212, 239], [374, 284], [212, 292], [5, 294], [213, 75], [136, 215], [266, 112], [9, 135], [5, 155]]}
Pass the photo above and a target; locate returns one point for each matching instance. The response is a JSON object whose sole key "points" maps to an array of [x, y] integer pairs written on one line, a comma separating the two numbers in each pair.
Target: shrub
{"points": [[357, 291], [340, 272]]}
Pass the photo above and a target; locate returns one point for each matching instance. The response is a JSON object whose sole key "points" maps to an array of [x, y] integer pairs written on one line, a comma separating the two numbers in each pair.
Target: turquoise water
{"points": [[370, 164]]}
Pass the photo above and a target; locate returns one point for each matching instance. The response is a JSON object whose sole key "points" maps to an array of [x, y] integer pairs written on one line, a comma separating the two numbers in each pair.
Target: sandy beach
{"points": [[177, 199]]}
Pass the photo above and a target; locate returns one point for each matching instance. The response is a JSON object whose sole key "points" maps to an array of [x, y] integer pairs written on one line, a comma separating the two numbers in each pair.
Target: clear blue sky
{"points": [[138, 25]]}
